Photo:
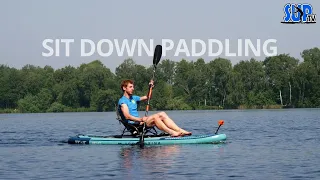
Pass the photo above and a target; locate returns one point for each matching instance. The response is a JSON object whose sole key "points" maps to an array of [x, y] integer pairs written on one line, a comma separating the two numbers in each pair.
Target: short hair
{"points": [[125, 83]]}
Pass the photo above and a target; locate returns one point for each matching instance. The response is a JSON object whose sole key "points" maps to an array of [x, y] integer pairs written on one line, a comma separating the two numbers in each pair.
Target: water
{"points": [[261, 144]]}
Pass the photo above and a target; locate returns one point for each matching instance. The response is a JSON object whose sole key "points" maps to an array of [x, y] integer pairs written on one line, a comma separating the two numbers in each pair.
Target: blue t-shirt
{"points": [[132, 104]]}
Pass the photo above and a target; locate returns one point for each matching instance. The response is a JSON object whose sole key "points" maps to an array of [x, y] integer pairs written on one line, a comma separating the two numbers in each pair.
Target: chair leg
{"points": [[123, 132], [152, 131], [155, 131]]}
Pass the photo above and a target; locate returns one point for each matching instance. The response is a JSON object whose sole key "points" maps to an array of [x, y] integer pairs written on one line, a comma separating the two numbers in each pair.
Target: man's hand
{"points": [[151, 83], [144, 118]]}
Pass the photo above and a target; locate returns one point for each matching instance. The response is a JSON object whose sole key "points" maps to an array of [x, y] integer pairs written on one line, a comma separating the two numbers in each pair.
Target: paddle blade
{"points": [[157, 54], [221, 122]]}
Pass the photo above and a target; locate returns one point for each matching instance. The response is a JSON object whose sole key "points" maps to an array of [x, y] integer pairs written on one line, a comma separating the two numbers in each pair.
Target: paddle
{"points": [[220, 123], [156, 59]]}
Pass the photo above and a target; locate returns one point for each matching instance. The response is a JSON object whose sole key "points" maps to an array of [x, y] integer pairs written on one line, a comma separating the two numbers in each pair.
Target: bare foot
{"points": [[185, 132], [176, 134]]}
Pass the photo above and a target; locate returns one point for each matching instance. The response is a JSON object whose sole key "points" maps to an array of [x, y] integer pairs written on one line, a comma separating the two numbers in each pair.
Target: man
{"points": [[128, 107]]}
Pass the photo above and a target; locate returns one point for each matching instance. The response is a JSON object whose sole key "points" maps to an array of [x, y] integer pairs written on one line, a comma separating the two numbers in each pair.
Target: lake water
{"points": [[261, 144]]}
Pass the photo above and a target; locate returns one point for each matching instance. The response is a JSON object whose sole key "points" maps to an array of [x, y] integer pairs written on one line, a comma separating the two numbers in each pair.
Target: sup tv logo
{"points": [[298, 14]]}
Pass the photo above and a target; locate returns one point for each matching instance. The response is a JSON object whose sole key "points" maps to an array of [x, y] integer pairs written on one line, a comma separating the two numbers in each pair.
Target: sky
{"points": [[24, 25]]}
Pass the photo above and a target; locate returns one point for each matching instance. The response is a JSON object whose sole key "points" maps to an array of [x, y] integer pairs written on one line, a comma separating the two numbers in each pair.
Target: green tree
{"points": [[69, 95], [279, 70], [253, 83], [219, 74], [104, 100], [188, 81], [306, 78], [44, 99], [138, 73], [161, 95], [236, 87], [166, 71], [11, 89], [56, 107], [28, 104], [312, 56], [92, 78]]}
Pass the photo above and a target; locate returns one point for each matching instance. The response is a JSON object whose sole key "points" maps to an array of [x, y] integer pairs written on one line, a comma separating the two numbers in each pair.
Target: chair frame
{"points": [[133, 129]]}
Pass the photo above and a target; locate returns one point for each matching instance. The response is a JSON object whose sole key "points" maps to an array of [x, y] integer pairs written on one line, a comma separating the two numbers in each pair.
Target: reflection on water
{"points": [[158, 154], [149, 161], [159, 160]]}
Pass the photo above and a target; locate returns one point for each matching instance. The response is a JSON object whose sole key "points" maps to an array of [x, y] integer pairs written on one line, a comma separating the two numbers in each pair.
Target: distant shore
{"points": [[9, 111]]}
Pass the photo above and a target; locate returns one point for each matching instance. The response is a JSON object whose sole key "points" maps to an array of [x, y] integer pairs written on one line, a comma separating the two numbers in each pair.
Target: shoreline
{"points": [[15, 111]]}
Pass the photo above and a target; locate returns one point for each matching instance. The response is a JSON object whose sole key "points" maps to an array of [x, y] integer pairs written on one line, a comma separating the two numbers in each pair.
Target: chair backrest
{"points": [[133, 129], [120, 117]]}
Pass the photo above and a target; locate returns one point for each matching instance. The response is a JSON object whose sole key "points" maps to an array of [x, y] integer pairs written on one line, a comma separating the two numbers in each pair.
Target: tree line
{"points": [[276, 82]]}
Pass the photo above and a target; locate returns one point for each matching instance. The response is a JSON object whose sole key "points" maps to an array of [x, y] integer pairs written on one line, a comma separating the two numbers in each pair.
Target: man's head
{"points": [[127, 86]]}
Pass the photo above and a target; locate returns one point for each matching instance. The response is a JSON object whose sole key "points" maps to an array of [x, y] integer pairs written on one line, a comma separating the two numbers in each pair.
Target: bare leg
{"points": [[155, 120], [170, 123]]}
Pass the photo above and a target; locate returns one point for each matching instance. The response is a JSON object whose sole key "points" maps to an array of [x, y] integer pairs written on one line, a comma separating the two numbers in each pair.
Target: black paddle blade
{"points": [[157, 54]]}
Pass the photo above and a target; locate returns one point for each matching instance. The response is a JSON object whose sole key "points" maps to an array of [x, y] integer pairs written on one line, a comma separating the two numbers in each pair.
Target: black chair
{"points": [[133, 129]]}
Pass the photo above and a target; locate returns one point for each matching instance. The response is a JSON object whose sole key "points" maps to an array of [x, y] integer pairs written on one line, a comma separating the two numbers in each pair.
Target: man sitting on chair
{"points": [[127, 106]]}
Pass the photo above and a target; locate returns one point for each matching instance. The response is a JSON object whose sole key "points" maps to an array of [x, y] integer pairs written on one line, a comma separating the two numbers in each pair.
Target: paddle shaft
{"points": [[156, 59], [149, 97], [141, 141]]}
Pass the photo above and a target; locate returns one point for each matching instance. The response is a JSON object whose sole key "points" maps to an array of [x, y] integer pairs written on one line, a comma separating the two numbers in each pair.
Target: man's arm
{"points": [[125, 111], [143, 98]]}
